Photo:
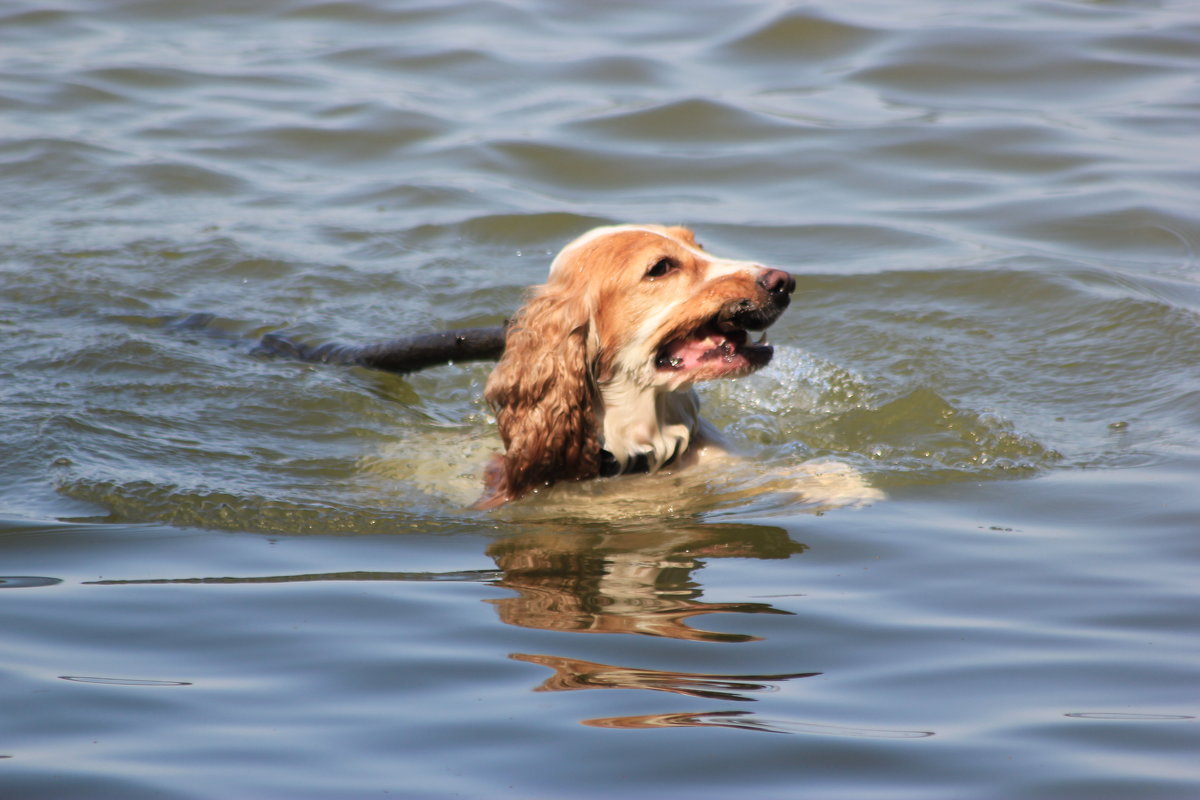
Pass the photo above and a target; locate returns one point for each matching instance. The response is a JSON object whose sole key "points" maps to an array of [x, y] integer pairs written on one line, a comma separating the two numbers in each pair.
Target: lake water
{"points": [[229, 575]]}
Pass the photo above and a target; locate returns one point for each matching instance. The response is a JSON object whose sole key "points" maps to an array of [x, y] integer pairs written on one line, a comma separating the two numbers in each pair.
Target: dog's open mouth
{"points": [[714, 350]]}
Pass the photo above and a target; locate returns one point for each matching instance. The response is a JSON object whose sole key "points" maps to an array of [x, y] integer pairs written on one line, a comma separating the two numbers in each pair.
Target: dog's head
{"points": [[628, 314], [664, 311]]}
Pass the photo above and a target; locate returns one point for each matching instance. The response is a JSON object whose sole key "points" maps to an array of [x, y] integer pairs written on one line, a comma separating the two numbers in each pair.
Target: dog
{"points": [[597, 375]]}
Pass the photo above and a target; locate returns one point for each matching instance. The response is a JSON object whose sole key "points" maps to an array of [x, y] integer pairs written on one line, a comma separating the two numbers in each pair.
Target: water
{"points": [[229, 575]]}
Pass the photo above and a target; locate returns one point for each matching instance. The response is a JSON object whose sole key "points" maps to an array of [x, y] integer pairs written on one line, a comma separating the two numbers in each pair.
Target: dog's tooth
{"points": [[674, 362]]}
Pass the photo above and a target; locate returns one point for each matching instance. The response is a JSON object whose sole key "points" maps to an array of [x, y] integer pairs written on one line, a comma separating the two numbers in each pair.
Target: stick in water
{"points": [[406, 354]]}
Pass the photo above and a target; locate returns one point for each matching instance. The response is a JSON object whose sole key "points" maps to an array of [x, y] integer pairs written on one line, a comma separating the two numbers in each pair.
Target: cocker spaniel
{"points": [[598, 366]]}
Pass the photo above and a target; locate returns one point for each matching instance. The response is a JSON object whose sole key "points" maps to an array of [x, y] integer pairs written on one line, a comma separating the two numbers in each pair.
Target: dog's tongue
{"points": [[705, 345]]}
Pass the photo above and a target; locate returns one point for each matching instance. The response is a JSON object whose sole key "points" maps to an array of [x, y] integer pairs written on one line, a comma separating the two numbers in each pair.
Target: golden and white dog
{"points": [[598, 367]]}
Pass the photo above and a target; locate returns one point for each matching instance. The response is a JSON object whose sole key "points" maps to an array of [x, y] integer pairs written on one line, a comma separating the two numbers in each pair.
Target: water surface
{"points": [[231, 575]]}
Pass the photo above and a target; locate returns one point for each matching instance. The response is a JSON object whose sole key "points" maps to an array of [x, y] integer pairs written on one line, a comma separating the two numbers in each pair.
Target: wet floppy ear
{"points": [[684, 235], [544, 397]]}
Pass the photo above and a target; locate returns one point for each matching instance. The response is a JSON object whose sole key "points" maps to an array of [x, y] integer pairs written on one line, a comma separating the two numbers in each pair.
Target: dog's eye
{"points": [[661, 268]]}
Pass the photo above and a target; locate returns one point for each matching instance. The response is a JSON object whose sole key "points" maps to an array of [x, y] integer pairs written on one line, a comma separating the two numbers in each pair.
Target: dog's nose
{"points": [[776, 281]]}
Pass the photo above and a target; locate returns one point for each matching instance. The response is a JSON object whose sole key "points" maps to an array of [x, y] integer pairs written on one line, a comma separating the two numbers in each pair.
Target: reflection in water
{"points": [[745, 720], [571, 674], [476, 576], [641, 582], [606, 580], [627, 581]]}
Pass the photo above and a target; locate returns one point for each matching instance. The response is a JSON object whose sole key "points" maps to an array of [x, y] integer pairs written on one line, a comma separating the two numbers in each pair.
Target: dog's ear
{"points": [[545, 400]]}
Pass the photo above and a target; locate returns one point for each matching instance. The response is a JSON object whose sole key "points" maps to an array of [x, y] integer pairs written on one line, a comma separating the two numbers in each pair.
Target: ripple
{"points": [[1002, 68], [918, 436], [26, 581], [348, 12], [371, 137], [921, 434], [644, 168], [80, 95], [571, 674], [615, 70], [468, 576], [172, 78], [799, 37], [1128, 717], [689, 121], [745, 720], [146, 501], [122, 681], [180, 179]]}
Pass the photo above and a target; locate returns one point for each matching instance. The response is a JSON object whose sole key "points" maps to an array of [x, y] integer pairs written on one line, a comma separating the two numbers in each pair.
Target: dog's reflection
{"points": [[573, 673], [637, 582], [629, 581]]}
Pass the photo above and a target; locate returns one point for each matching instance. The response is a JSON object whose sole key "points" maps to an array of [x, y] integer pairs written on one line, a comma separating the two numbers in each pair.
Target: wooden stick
{"points": [[406, 354]]}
